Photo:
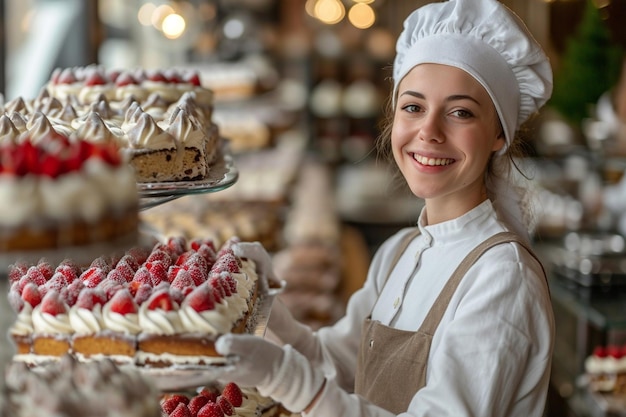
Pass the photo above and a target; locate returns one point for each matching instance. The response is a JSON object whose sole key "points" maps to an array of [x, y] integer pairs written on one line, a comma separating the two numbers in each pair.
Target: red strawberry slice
{"points": [[193, 78], [57, 282], [225, 405], [161, 299], [35, 275], [66, 77], [109, 287], [53, 304], [159, 255], [172, 272], [17, 271], [177, 245], [169, 405], [31, 294], [124, 79], [156, 76], [89, 297], [92, 277], [181, 410], [140, 254], [211, 410], [197, 260], [143, 293], [70, 293], [233, 393], [129, 261], [122, 273], [68, 271], [196, 403], [218, 288], [158, 273], [143, 276], [201, 299], [123, 303], [182, 258], [45, 268], [102, 263], [210, 393], [183, 280], [198, 275], [94, 78]]}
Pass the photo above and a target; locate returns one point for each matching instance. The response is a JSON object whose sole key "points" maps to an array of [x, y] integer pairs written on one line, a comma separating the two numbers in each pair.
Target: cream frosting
{"points": [[183, 128], [159, 322], [121, 323], [86, 321], [23, 324], [209, 321], [45, 323], [146, 134]]}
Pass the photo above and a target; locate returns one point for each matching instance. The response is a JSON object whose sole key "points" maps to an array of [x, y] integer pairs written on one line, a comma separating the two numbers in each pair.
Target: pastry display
{"points": [[605, 369], [161, 119], [158, 307], [72, 389], [56, 192]]}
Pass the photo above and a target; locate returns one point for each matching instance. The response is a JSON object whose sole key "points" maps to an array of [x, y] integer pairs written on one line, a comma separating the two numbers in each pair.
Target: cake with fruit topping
{"points": [[72, 389], [605, 369], [220, 400], [56, 192], [161, 306], [162, 119]]}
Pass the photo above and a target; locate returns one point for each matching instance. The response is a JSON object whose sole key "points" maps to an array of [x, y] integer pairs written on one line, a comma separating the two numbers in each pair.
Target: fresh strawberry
{"points": [[181, 410], [35, 275], [196, 403], [31, 294], [177, 245], [92, 277], [201, 299], [230, 281], [193, 78], [15, 301], [227, 262], [66, 77], [143, 276], [198, 275], [102, 263], [158, 273], [123, 303], [17, 270], [52, 304], [68, 271], [45, 268], [210, 392], [225, 405], [183, 280], [233, 393], [89, 297], [172, 272], [124, 79], [143, 293], [218, 287], [169, 405], [57, 282], [70, 293], [211, 410], [109, 287], [50, 166], [199, 261], [182, 258], [161, 256], [131, 261], [208, 253], [172, 76], [122, 273], [161, 299], [94, 78], [156, 76]]}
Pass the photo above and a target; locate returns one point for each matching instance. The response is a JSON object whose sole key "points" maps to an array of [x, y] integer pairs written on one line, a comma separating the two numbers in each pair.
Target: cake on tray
{"points": [[158, 307]]}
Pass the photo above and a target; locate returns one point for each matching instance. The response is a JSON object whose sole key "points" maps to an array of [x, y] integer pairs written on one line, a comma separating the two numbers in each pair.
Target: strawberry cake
{"points": [[221, 400], [605, 369], [161, 119], [159, 307], [56, 192]]}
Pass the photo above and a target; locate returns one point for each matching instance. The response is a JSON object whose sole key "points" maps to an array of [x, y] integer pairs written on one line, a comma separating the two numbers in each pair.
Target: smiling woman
{"points": [[455, 317]]}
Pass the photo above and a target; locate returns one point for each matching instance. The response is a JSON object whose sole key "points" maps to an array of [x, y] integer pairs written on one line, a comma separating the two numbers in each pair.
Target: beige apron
{"points": [[391, 364]]}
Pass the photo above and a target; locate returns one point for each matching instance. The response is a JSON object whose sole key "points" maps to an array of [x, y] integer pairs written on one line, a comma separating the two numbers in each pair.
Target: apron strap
{"points": [[430, 323]]}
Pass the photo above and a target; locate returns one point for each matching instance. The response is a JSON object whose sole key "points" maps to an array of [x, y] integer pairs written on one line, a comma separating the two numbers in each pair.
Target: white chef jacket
{"points": [[491, 353]]}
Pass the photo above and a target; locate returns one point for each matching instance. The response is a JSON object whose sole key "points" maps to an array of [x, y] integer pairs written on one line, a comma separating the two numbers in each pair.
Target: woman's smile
{"points": [[430, 161]]}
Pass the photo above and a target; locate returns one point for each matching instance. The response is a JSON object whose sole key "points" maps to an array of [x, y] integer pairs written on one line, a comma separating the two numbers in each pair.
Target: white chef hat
{"points": [[488, 41]]}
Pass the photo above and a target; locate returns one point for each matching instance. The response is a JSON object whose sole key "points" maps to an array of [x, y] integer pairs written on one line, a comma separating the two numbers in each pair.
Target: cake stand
{"points": [[222, 174]]}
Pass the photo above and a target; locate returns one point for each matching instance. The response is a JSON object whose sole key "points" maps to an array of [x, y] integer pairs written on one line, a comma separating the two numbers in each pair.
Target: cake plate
{"points": [[222, 174]]}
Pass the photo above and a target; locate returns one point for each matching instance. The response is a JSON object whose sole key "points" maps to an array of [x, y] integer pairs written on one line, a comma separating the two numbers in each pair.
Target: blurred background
{"points": [[300, 86]]}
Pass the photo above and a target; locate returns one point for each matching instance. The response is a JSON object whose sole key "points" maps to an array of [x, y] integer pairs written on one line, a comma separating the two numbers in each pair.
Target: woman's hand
{"points": [[279, 373]]}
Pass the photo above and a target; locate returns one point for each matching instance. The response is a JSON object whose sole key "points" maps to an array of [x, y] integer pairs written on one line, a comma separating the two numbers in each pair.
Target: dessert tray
{"points": [[222, 174], [183, 377]]}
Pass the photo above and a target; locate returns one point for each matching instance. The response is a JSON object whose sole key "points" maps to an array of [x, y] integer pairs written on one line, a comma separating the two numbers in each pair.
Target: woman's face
{"points": [[444, 131]]}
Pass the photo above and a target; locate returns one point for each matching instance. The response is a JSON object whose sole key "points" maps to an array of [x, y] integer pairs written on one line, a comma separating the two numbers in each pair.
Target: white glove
{"points": [[290, 331], [256, 252], [279, 373]]}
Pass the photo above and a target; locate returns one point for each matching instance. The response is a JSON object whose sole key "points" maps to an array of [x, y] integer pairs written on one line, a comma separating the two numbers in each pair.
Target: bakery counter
{"points": [[585, 317]]}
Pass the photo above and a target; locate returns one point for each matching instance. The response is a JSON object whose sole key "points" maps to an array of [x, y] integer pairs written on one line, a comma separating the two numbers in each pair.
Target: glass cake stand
{"points": [[222, 174]]}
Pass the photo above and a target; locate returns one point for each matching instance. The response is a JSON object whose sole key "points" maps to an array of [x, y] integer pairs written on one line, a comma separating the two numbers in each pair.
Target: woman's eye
{"points": [[411, 108], [463, 114]]}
